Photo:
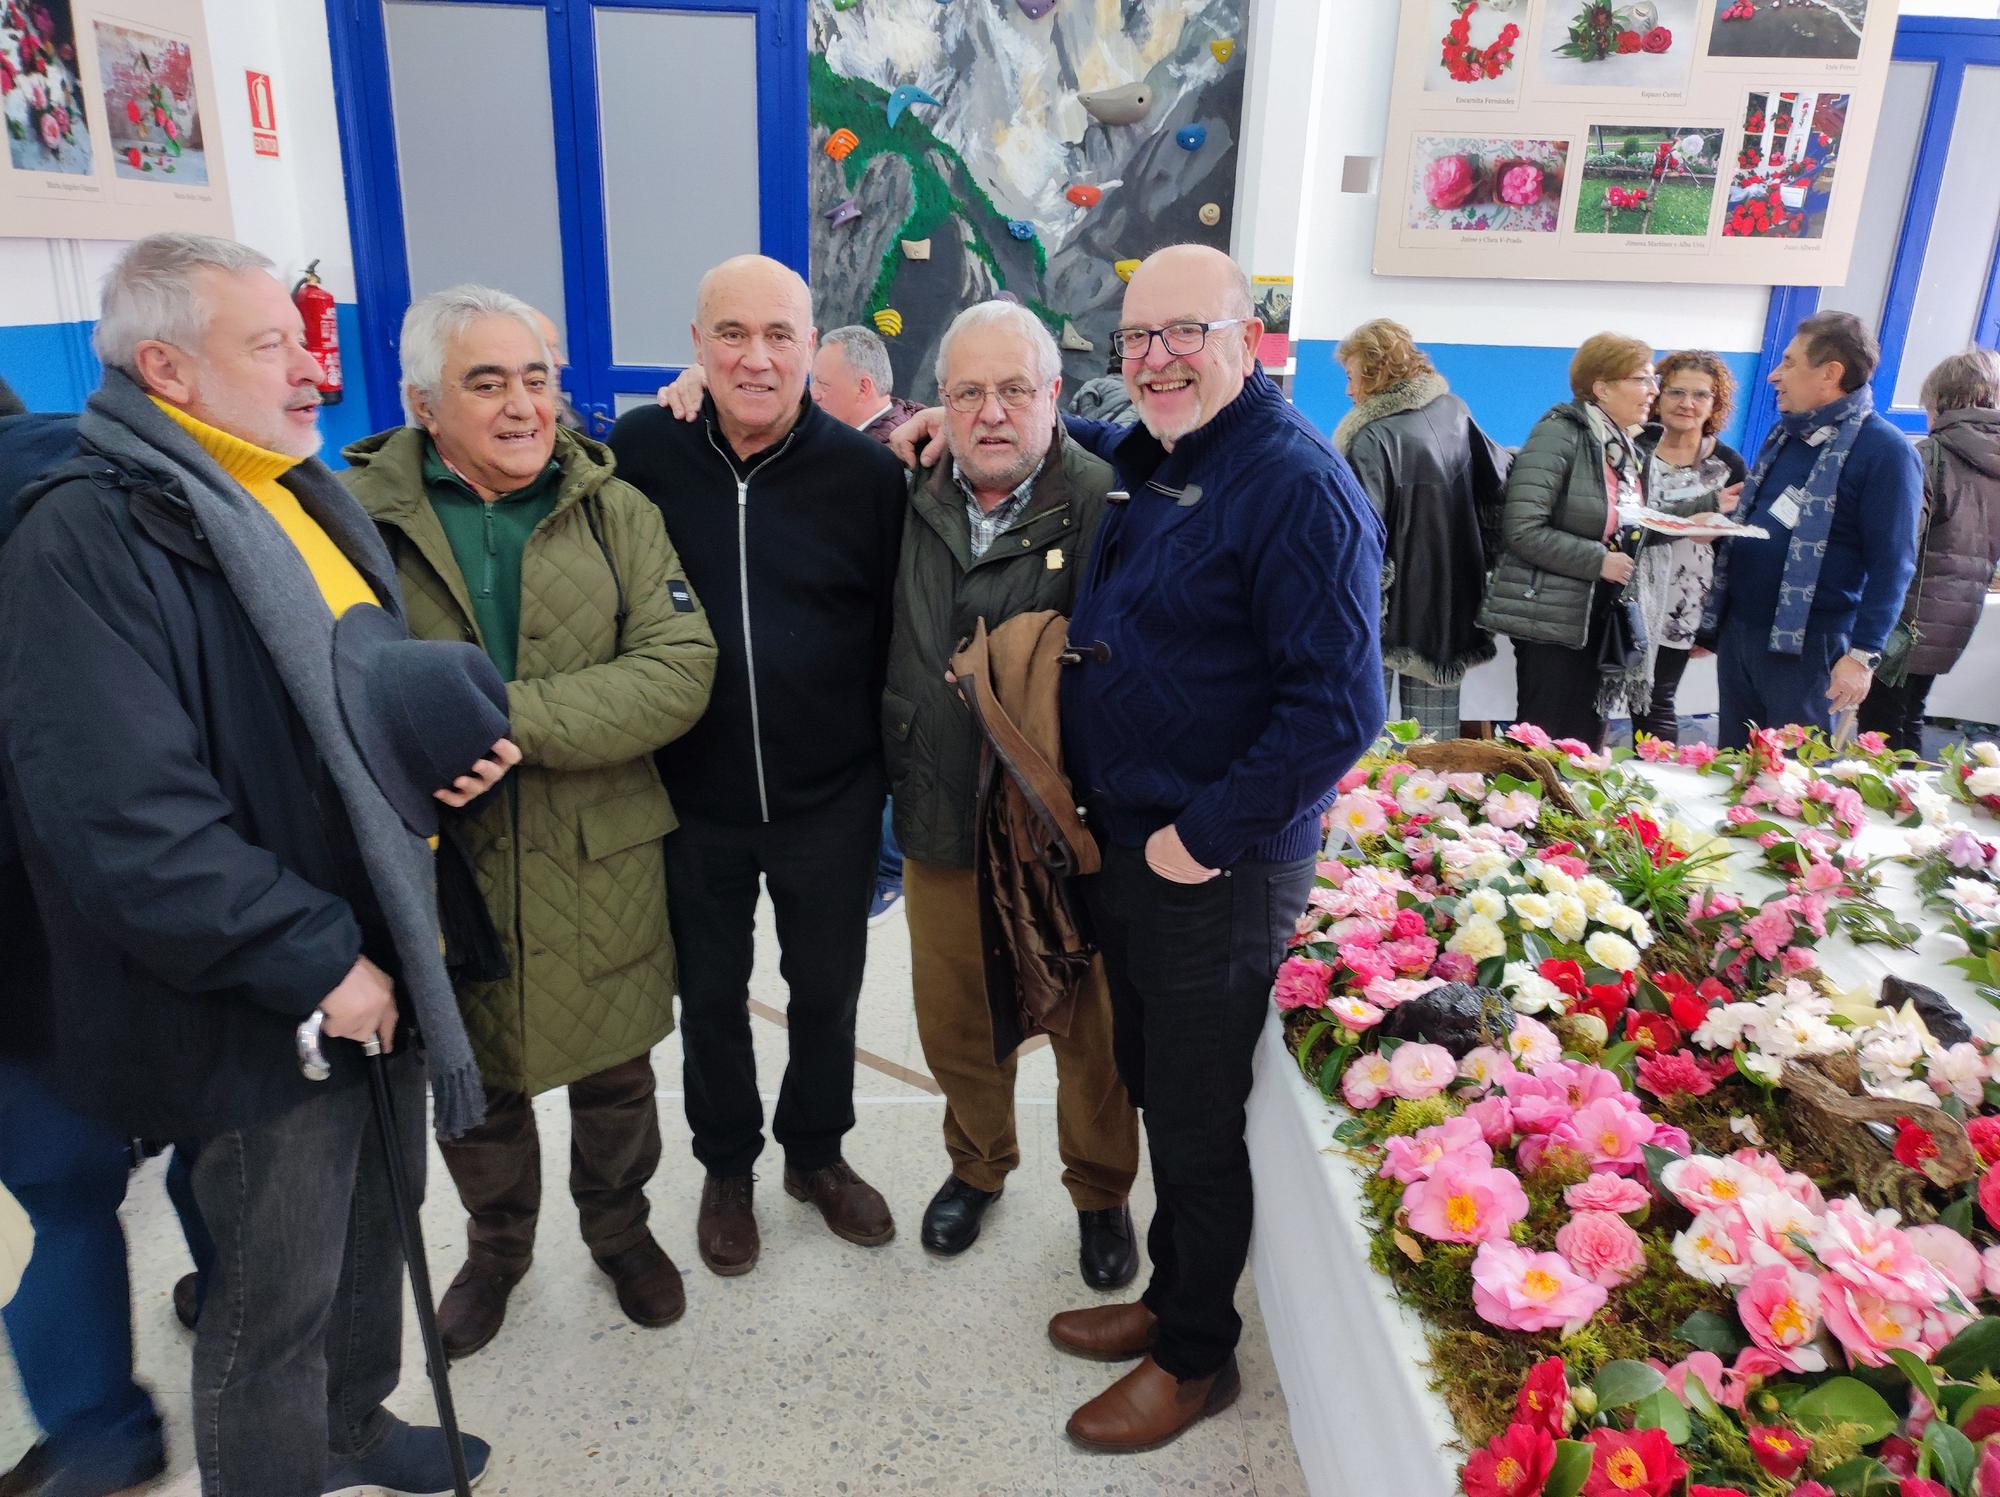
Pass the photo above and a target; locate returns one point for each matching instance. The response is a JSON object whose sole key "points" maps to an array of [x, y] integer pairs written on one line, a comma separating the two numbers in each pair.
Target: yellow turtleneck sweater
{"points": [[259, 471]]}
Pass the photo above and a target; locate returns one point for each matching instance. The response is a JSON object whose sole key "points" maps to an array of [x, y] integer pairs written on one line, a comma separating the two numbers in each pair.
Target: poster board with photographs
{"points": [[1657, 140], [110, 117]]}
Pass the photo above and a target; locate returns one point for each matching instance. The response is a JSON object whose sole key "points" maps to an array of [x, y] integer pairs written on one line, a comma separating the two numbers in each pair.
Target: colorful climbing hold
{"points": [[1074, 341], [1125, 105], [1191, 137], [840, 145], [843, 212], [1223, 50], [916, 249], [1124, 268], [1210, 214], [1020, 228], [1084, 195], [901, 97], [888, 322], [1034, 10]]}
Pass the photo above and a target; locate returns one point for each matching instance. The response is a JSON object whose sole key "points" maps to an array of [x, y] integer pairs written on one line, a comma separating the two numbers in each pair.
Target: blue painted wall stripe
{"points": [[51, 368], [1508, 388]]}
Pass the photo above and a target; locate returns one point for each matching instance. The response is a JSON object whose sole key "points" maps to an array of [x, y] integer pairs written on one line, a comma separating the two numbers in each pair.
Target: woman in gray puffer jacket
{"points": [[1961, 538]]}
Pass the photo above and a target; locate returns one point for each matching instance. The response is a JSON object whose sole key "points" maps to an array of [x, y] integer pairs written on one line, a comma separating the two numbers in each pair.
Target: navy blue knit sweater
{"points": [[1236, 597]]}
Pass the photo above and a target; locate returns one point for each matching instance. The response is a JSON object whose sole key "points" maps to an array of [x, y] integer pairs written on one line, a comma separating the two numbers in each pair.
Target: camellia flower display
{"points": [[1644, 1264], [1469, 64], [1598, 31]]}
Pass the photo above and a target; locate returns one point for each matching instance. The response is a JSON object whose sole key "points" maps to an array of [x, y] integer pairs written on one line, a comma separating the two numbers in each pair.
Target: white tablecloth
{"points": [[1349, 1354], [1487, 692], [1970, 690]]}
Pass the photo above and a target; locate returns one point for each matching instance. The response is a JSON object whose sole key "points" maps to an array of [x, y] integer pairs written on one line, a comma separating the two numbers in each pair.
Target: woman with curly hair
{"points": [[1686, 463], [1436, 481]]}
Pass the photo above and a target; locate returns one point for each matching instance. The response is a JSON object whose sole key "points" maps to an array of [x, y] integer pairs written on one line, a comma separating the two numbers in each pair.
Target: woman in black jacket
{"points": [[1434, 478], [1560, 578], [1687, 468], [1961, 538]]}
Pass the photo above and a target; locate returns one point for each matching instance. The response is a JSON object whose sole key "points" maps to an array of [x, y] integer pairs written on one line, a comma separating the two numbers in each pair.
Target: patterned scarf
{"points": [[1843, 419]]}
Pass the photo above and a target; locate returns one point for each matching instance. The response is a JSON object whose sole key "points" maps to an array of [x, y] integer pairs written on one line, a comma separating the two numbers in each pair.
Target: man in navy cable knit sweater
{"points": [[1229, 674]]}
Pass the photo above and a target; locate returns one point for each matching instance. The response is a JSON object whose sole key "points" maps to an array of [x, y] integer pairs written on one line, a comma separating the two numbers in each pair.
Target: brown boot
{"points": [[1150, 1406], [471, 1312], [649, 1286], [854, 1209], [726, 1229], [1106, 1333]]}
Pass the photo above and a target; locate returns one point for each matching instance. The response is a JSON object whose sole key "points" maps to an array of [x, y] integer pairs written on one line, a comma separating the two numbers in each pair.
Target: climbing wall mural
{"points": [[1034, 149]]}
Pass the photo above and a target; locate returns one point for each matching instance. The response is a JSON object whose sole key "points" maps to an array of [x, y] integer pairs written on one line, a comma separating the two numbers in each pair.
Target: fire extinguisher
{"points": [[316, 310]]}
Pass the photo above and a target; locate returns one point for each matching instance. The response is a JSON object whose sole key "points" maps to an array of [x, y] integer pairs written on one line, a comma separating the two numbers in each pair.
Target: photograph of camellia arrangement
{"points": [[1648, 179]]}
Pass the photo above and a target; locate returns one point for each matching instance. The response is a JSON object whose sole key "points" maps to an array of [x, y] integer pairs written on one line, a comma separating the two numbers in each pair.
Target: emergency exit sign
{"points": [[263, 114]]}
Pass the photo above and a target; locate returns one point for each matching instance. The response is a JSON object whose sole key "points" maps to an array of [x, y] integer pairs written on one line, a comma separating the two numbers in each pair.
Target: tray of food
{"points": [[1703, 527]]}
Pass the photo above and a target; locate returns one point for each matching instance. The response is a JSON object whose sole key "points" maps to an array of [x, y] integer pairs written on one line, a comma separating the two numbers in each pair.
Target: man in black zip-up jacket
{"points": [[789, 523]]}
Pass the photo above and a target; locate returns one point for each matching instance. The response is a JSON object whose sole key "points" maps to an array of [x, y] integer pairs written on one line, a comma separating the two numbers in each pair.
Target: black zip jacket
{"points": [[793, 553]]}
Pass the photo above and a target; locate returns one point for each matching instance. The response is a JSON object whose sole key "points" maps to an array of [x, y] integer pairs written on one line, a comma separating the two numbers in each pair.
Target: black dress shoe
{"points": [[951, 1221], [1108, 1250], [187, 1299]]}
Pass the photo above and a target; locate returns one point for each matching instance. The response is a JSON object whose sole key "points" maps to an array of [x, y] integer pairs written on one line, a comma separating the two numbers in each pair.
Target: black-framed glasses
{"points": [[1015, 395], [1179, 338]]}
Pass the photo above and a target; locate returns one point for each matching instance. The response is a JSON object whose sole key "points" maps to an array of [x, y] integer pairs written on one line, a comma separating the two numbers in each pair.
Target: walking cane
{"points": [[312, 1061]]}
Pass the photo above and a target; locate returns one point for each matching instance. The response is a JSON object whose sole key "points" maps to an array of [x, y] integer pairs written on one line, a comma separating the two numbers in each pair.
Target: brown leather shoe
{"points": [[1150, 1406], [854, 1209], [726, 1229], [471, 1312], [1106, 1333], [649, 1286]]}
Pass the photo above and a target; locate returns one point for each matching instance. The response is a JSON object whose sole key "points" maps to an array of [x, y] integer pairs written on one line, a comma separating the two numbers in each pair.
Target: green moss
{"points": [[1406, 1118]]}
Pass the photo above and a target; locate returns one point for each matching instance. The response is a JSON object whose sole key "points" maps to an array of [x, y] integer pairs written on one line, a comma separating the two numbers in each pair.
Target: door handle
{"points": [[600, 420]]}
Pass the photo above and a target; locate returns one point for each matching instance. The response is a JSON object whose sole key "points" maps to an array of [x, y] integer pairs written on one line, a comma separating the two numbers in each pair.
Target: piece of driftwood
{"points": [[1481, 756], [1827, 1090]]}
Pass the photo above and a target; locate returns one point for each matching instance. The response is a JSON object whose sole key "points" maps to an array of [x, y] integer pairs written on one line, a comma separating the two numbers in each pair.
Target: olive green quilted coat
{"points": [[570, 862]]}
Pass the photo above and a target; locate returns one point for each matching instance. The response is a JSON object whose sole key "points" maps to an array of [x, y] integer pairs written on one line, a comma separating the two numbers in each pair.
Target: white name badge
{"points": [[1820, 434], [1785, 509]]}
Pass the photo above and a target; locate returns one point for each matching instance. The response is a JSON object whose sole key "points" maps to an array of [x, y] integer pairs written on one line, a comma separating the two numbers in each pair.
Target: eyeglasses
{"points": [[1179, 338], [1650, 381], [965, 399], [1699, 397]]}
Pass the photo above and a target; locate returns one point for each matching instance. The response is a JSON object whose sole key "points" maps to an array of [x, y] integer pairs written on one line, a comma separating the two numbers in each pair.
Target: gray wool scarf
{"points": [[279, 593]]}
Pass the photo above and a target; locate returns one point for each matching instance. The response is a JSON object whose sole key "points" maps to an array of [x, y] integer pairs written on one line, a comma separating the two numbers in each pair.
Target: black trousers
{"points": [[1555, 688], [820, 870], [1662, 718], [1897, 711], [1190, 968]]}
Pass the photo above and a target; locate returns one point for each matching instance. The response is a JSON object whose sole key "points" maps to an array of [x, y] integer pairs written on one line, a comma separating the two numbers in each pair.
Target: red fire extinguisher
{"points": [[316, 309]]}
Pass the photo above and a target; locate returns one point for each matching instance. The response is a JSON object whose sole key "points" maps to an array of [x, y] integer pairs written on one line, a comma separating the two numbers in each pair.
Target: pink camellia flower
{"points": [[1654, 750], [1302, 983], [1485, 1066], [1989, 1196], [1358, 814], [1419, 1071], [1465, 1202], [1741, 815], [1521, 185], [1602, 1247], [51, 132], [1387, 992], [1986, 1475], [1697, 755], [1366, 1082], [1541, 1103], [1532, 1043], [1418, 1156], [1449, 181], [1866, 1249], [1705, 1367], [1868, 1325], [1354, 1013], [1610, 1134], [1872, 743], [1366, 961], [1989, 1271], [1495, 1117], [1950, 1254], [1353, 779], [1780, 1309], [1456, 966], [1517, 1290], [1412, 955], [1715, 1248], [1608, 1192], [1746, 1374], [1529, 736]]}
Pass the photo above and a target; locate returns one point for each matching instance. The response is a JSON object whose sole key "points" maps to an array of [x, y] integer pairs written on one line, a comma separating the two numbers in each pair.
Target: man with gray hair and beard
{"points": [[1003, 528], [217, 853]]}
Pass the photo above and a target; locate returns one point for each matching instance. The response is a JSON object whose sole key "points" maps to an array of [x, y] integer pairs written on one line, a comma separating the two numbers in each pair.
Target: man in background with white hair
{"points": [[789, 523], [214, 859], [1002, 528]]}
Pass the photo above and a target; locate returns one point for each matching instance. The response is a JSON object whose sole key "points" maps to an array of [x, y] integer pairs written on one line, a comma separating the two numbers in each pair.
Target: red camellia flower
{"points": [[1605, 999], [1921, 1486], [132, 155], [1654, 1034], [1989, 1196], [1674, 1075], [1514, 1464], [1542, 1397], [1630, 41], [1914, 1144], [1899, 1455], [1658, 39], [1985, 1135], [1701, 1491], [1779, 1451], [132, 110], [1642, 1461], [1984, 1421], [1566, 975]]}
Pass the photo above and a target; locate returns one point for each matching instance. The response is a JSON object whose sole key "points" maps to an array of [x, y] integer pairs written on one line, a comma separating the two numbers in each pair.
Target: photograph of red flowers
{"points": [[1785, 166], [1788, 28], [1597, 44], [1648, 179], [40, 93], [149, 99], [1475, 183], [1478, 41]]}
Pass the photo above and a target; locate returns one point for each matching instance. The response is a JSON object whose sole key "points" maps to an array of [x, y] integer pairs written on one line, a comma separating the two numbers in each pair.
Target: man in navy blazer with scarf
{"points": [[1228, 674], [1800, 617]]}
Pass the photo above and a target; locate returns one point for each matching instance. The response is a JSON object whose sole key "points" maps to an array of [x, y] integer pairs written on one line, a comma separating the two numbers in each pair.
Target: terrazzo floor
{"points": [[830, 1369]]}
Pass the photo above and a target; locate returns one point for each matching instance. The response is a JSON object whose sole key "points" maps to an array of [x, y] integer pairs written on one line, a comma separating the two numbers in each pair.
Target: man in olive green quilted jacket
{"points": [[511, 532]]}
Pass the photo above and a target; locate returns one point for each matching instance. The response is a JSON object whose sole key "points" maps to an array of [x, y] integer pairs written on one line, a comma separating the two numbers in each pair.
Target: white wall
{"points": [[1283, 106]]}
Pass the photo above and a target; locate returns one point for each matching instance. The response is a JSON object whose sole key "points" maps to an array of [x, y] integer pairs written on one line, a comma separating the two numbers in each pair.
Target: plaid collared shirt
{"points": [[986, 525]]}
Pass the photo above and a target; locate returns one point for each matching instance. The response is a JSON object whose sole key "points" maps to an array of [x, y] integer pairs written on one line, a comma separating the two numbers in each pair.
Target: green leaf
{"points": [[1657, 1159], [1921, 1378], [1700, 1402], [1974, 1350], [1842, 1400], [1623, 1383], [1712, 1332], [1533, 948], [1329, 1073], [1405, 731], [1351, 1131], [1952, 1455], [1571, 1470], [1863, 1477], [1619, 1054], [173, 146], [1661, 1410], [1490, 970], [1304, 1048], [1961, 1401]]}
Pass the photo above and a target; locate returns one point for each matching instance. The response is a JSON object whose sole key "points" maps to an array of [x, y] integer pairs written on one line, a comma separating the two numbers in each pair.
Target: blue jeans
{"points": [[70, 1323], [889, 869], [1757, 686]]}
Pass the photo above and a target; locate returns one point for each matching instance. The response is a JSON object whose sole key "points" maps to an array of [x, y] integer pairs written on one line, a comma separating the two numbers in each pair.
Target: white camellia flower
{"points": [[1533, 909], [1594, 891], [1553, 879], [1918, 1092], [1708, 1250], [1847, 770], [1723, 1028], [1488, 864], [1767, 1066], [1895, 1044], [1488, 904], [1537, 995], [1933, 805], [1608, 949], [1479, 938], [1959, 1070], [1984, 782], [1987, 753], [1569, 920]]}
